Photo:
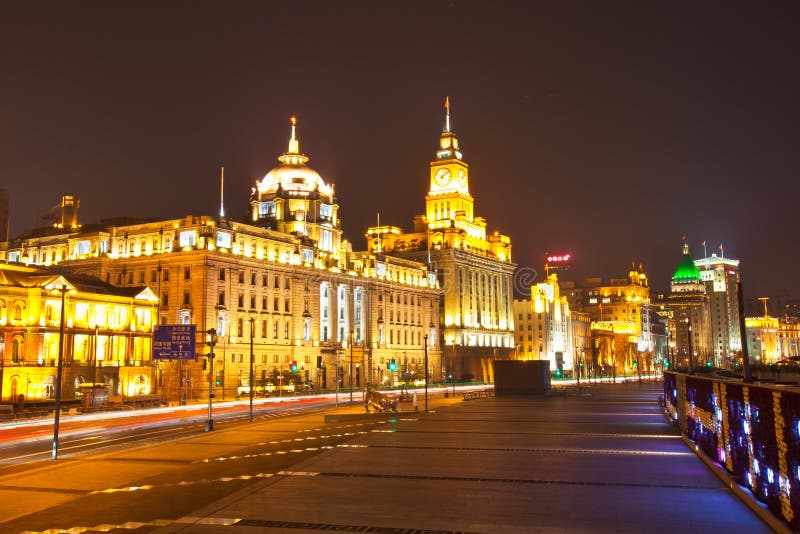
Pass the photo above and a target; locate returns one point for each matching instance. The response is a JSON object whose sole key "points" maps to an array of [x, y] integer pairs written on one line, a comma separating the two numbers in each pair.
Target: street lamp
{"points": [[426, 372], [252, 326], [60, 371], [453, 368], [210, 422], [351, 367]]}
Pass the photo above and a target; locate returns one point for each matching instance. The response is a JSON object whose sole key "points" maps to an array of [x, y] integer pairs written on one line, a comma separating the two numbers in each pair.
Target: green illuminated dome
{"points": [[687, 272]]}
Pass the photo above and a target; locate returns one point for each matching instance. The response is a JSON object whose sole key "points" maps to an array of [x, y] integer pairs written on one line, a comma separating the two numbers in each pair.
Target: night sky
{"points": [[604, 129]]}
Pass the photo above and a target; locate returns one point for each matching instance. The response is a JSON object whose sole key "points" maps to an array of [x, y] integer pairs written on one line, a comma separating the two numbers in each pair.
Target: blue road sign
{"points": [[174, 342]]}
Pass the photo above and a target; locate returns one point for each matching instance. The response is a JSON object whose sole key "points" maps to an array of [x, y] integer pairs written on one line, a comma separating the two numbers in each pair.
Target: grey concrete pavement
{"points": [[608, 462]]}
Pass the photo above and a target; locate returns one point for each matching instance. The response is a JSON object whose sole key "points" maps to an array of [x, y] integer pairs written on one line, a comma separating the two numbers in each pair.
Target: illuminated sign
{"points": [[563, 258]]}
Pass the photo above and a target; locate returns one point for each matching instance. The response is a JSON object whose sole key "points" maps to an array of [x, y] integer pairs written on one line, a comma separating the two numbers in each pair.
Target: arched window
{"points": [[17, 349], [18, 307]]}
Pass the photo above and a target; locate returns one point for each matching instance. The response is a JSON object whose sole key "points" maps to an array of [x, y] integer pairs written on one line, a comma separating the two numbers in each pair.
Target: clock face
{"points": [[462, 179], [442, 177]]}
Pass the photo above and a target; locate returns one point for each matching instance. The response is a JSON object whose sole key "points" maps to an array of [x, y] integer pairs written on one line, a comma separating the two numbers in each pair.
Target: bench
{"points": [[481, 393]]}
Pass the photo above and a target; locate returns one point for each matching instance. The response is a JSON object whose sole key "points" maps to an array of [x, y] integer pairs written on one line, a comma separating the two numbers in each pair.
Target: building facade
{"points": [[473, 267], [107, 335], [688, 305], [285, 279], [720, 277]]}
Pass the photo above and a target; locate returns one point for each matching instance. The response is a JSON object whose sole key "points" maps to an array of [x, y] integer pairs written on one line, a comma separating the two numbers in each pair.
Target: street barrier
{"points": [[751, 430]]}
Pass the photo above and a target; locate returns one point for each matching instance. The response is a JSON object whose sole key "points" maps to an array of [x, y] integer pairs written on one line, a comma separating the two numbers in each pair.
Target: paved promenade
{"points": [[603, 462]]}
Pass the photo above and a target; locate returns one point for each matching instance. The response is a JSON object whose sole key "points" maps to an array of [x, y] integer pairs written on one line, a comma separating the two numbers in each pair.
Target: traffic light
{"points": [[293, 366], [708, 364], [392, 365], [559, 373], [220, 378]]}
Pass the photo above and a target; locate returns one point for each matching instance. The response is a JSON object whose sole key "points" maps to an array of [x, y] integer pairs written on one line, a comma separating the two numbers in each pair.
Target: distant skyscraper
{"points": [[720, 277], [689, 305]]}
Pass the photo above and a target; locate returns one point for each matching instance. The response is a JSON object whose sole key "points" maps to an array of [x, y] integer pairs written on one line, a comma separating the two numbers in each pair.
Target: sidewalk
{"points": [[608, 462]]}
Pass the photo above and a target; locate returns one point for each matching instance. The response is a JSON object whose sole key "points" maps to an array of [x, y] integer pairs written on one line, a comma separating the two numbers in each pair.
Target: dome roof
{"points": [[687, 271], [290, 177], [293, 174]]}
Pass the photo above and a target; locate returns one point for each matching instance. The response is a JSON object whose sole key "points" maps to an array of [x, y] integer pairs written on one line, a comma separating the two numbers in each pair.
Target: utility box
{"points": [[521, 377]]}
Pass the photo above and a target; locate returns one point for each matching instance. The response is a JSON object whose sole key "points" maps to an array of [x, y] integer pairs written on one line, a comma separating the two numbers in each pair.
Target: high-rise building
{"points": [[688, 305], [720, 277], [285, 279], [474, 268]]}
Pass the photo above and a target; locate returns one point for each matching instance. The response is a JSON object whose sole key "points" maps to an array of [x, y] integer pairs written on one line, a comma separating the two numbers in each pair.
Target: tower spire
{"points": [[222, 191], [447, 114], [294, 144]]}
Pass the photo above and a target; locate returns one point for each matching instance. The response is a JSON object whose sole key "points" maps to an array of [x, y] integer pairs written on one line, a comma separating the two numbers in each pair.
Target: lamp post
{"points": [[426, 372], [210, 422], [351, 368], [691, 349], [252, 325], [453, 369], [60, 371], [748, 377]]}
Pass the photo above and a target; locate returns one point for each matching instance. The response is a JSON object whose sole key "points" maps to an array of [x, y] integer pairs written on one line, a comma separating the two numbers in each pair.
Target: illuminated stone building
{"points": [[763, 339], [107, 334], [720, 277], [284, 277], [547, 329], [625, 329], [474, 268], [689, 305]]}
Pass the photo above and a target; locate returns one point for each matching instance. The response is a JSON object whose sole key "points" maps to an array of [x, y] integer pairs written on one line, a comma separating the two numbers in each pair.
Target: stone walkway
{"points": [[603, 462]]}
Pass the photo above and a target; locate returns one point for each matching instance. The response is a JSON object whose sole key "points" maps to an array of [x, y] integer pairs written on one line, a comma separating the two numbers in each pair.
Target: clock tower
{"points": [[448, 199], [474, 270]]}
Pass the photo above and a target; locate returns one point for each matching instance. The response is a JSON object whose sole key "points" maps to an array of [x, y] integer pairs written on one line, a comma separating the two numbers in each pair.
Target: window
{"points": [[130, 278], [252, 302], [264, 279], [264, 329], [165, 299], [222, 274], [187, 273], [286, 305], [83, 247], [266, 209], [141, 277], [153, 276], [223, 240], [240, 300], [286, 331], [166, 275], [187, 238], [264, 302], [277, 282], [252, 279], [241, 277], [275, 330], [239, 327], [186, 297], [275, 304], [287, 283]]}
